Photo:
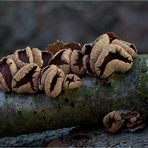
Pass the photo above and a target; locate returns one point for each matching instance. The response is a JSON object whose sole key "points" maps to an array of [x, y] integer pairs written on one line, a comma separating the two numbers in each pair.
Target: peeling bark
{"points": [[23, 114]]}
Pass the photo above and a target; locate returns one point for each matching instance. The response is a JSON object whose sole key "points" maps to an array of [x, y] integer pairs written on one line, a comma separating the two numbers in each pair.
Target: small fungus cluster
{"points": [[107, 55], [60, 66], [127, 121], [31, 70]]}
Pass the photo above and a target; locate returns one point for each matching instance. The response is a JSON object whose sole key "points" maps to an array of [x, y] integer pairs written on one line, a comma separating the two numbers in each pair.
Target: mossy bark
{"points": [[22, 114]]}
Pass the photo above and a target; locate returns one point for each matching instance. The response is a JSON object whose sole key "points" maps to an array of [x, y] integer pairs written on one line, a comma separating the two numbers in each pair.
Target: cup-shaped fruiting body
{"points": [[71, 81], [46, 56], [128, 47], [133, 121], [37, 56], [113, 122], [86, 50], [62, 60], [7, 70], [100, 42], [59, 45], [54, 81], [26, 79], [131, 45], [43, 76], [22, 57], [113, 59], [41, 57], [77, 66]]}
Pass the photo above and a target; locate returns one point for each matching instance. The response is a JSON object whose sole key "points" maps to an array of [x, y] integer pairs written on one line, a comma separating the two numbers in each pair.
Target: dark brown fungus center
{"points": [[112, 120], [54, 81], [6, 73], [79, 61], [27, 78], [46, 57], [112, 36], [112, 56], [88, 49], [23, 56], [88, 65], [57, 59], [70, 79]]}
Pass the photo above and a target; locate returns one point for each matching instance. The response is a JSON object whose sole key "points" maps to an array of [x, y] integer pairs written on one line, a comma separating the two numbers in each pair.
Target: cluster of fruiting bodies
{"points": [[126, 121], [61, 65]]}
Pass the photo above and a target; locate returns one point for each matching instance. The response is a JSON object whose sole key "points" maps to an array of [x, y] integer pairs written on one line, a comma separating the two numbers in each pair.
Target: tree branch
{"points": [[22, 114]]}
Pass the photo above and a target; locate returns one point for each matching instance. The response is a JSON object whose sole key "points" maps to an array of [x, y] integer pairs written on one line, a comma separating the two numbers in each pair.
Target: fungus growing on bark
{"points": [[131, 45], [113, 59], [71, 81], [46, 56], [113, 122], [128, 47], [100, 42], [43, 76], [77, 66], [22, 57], [62, 60], [86, 50], [54, 81], [133, 121], [37, 56], [7, 70], [59, 45], [26, 79]]}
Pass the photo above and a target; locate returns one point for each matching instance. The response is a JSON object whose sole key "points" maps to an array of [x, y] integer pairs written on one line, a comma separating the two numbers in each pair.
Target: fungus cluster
{"points": [[128, 121], [31, 70], [60, 66], [107, 55]]}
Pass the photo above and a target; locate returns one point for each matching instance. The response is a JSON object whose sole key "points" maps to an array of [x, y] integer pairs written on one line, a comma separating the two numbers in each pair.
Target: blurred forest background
{"points": [[37, 24]]}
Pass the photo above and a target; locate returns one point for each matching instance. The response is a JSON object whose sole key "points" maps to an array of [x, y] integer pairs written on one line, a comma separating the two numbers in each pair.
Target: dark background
{"points": [[37, 23]]}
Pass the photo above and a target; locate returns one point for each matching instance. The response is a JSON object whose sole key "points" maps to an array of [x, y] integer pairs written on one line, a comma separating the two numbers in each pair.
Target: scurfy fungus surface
{"points": [[60, 65]]}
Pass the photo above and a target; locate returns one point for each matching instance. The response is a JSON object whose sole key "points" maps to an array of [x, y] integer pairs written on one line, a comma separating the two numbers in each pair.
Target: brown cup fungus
{"points": [[98, 45], [26, 79], [59, 45], [77, 66], [46, 56], [41, 57], [111, 60], [113, 122], [7, 70], [133, 121], [37, 56], [128, 47], [54, 81], [22, 57], [131, 45], [86, 50], [43, 76], [62, 60], [72, 81]]}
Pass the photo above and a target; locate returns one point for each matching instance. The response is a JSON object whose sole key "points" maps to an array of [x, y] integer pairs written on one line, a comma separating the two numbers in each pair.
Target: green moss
{"points": [[142, 86], [23, 122], [142, 83]]}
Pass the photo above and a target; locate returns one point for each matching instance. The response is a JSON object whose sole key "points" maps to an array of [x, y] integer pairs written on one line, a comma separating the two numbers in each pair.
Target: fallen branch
{"points": [[22, 114]]}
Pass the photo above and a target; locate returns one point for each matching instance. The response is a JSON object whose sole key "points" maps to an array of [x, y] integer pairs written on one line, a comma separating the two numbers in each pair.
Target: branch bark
{"points": [[22, 114]]}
